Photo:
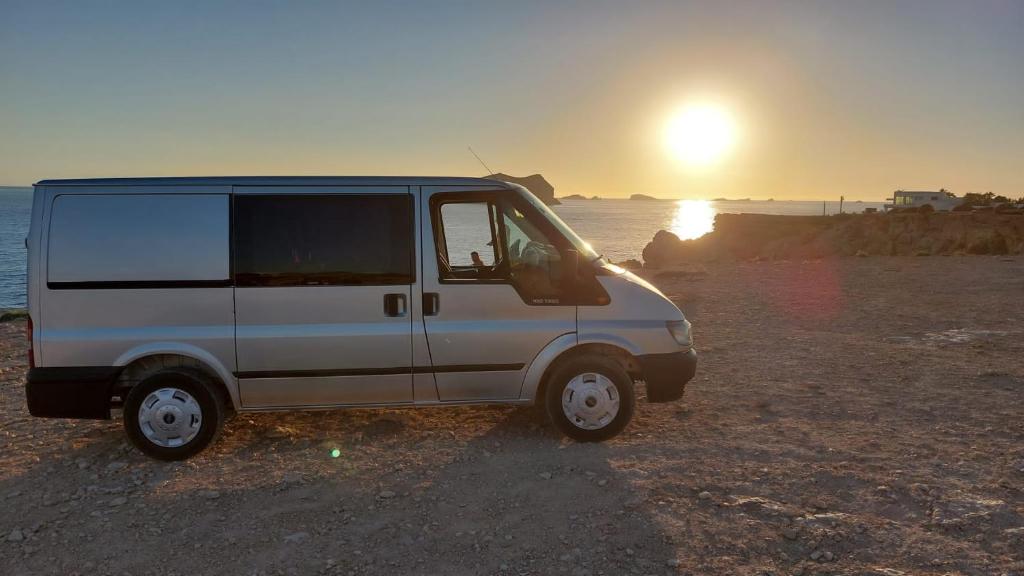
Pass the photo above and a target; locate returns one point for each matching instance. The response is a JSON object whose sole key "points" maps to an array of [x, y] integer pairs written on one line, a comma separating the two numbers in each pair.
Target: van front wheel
{"points": [[173, 414], [590, 398]]}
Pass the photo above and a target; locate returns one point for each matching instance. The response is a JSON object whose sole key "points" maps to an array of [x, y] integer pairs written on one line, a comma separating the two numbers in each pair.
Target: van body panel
{"points": [[320, 189], [35, 267], [325, 391], [179, 348], [320, 328], [424, 385], [543, 360], [99, 327], [485, 326], [195, 183], [93, 322], [634, 320]]}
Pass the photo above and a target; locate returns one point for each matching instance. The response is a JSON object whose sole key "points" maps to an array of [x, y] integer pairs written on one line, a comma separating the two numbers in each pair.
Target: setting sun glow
{"points": [[700, 135], [693, 219]]}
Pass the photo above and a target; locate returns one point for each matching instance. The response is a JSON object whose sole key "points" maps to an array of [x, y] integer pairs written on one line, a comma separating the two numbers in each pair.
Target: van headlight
{"points": [[680, 330]]}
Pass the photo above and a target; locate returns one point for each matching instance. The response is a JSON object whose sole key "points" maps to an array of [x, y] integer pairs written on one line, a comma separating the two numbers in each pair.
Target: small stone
{"points": [[545, 475], [82, 463], [503, 567], [704, 495], [277, 433], [816, 554], [602, 482], [296, 537], [15, 536], [789, 533], [119, 501], [210, 494], [828, 556], [385, 494], [115, 466], [672, 563]]}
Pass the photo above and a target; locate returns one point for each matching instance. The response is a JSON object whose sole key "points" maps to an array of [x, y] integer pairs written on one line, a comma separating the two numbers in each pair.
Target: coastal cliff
{"points": [[535, 183], [754, 236]]}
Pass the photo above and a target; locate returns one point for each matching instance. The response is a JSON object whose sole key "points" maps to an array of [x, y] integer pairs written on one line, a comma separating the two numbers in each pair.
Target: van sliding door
{"points": [[323, 281]]}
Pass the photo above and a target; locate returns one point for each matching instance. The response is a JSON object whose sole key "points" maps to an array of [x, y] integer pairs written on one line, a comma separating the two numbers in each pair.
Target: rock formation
{"points": [[752, 236], [535, 183]]}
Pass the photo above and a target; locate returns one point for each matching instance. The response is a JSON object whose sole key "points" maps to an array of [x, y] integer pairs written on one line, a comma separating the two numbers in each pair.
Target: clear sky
{"points": [[855, 97]]}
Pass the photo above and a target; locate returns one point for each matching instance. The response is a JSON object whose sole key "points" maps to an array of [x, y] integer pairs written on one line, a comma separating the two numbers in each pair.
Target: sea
{"points": [[15, 212], [618, 229]]}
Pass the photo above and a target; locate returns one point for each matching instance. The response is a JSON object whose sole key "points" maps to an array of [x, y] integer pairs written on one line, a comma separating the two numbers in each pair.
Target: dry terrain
{"points": [[854, 416]]}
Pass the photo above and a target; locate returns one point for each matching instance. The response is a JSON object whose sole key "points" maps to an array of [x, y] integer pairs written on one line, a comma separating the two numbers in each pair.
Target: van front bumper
{"points": [[70, 392], [666, 375]]}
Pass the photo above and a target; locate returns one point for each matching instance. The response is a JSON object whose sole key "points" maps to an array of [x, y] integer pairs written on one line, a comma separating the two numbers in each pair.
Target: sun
{"points": [[700, 135]]}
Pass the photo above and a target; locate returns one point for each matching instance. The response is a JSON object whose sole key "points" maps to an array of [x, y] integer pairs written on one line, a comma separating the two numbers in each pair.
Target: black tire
{"points": [[565, 372], [194, 383]]}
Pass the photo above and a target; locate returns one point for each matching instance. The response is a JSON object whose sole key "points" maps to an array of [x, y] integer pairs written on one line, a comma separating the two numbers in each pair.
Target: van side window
{"points": [[493, 241], [534, 261], [139, 241], [467, 245], [323, 240]]}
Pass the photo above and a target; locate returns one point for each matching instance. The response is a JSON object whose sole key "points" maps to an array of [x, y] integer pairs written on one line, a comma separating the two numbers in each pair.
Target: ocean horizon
{"points": [[617, 228]]}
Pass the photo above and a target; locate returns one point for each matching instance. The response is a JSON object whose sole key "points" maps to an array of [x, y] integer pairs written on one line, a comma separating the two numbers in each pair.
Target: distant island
{"points": [[734, 199], [644, 197], [575, 197]]}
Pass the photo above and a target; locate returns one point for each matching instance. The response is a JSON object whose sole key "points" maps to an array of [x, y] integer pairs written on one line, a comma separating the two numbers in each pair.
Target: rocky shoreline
{"points": [[773, 237]]}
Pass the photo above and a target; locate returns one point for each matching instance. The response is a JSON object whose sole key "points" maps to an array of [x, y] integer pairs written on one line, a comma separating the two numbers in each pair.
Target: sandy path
{"points": [[855, 416]]}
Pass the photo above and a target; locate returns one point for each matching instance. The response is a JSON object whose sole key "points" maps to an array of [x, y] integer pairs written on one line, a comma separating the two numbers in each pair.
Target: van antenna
{"points": [[480, 160]]}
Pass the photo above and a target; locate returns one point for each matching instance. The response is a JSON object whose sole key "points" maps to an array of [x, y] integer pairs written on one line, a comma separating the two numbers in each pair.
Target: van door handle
{"points": [[431, 303], [394, 305]]}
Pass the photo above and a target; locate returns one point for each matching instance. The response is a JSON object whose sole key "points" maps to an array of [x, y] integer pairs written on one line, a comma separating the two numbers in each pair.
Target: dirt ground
{"points": [[858, 416]]}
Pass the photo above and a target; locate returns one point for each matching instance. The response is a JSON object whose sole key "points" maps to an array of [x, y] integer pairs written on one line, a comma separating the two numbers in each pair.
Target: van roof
{"points": [[280, 181]]}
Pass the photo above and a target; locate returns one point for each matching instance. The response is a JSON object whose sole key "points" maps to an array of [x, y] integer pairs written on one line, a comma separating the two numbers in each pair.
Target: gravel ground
{"points": [[859, 416]]}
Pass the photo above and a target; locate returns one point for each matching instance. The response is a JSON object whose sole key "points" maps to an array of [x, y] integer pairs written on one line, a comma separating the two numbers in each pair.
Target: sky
{"points": [[853, 98]]}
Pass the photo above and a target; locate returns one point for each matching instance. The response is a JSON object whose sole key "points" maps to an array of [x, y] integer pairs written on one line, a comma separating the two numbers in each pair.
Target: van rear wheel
{"points": [[590, 398], [173, 414]]}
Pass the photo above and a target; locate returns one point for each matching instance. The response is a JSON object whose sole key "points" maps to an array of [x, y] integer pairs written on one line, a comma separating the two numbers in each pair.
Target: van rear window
{"points": [[138, 240], [323, 240]]}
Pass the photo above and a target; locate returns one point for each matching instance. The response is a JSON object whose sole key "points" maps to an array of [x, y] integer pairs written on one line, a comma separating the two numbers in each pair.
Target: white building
{"points": [[941, 200]]}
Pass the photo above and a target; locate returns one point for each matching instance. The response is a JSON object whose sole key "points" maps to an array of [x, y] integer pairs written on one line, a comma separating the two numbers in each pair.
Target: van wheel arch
{"points": [[145, 366], [621, 355]]}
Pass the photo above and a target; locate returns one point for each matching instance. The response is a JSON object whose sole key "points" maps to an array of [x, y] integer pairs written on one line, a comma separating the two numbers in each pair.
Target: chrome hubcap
{"points": [[170, 417], [590, 401]]}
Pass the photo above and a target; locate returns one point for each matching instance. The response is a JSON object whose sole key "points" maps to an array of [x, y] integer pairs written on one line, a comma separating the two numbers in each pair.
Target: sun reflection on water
{"points": [[693, 219]]}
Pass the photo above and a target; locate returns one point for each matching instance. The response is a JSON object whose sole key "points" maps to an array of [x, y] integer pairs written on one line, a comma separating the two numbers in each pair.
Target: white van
{"points": [[179, 299]]}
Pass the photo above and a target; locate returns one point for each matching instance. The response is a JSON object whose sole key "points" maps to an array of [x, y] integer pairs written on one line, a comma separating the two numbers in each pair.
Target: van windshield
{"points": [[586, 251]]}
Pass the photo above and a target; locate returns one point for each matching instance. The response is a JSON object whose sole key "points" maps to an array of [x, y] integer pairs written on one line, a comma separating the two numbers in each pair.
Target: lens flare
{"points": [[335, 453]]}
